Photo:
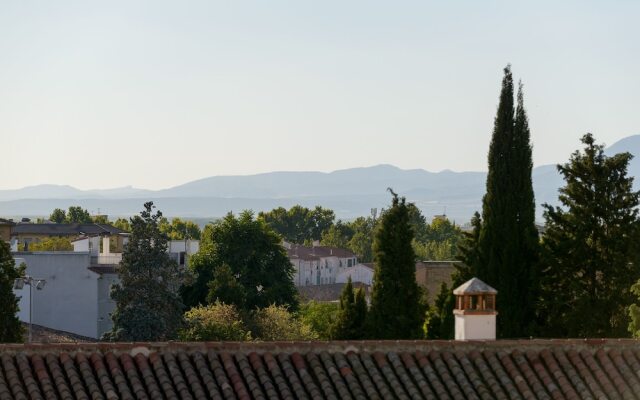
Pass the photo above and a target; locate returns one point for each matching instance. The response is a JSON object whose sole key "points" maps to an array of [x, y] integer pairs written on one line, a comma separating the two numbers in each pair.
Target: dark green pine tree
{"points": [[148, 306], [590, 247], [507, 254], [395, 311], [351, 316], [10, 327]]}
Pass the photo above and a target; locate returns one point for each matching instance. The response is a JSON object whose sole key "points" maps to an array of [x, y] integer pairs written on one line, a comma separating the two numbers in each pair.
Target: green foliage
{"points": [[241, 262], [58, 216], [338, 235], [634, 312], [351, 314], [75, 214], [148, 307], [299, 224], [395, 311], [78, 215], [356, 236], [320, 316], [10, 328], [278, 323], [418, 223], [507, 245], [52, 244], [100, 219], [180, 229], [590, 247], [434, 251], [215, 322], [440, 323], [123, 224]]}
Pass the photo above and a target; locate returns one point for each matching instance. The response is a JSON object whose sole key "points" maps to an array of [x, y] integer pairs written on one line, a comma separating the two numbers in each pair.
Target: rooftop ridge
{"points": [[330, 346]]}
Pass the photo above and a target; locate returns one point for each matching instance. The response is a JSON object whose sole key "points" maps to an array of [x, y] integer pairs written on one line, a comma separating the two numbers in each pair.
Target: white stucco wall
{"points": [[359, 273], [475, 327], [69, 300]]}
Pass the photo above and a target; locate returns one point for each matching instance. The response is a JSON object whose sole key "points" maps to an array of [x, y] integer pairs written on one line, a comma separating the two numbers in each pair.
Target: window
{"points": [[349, 263]]}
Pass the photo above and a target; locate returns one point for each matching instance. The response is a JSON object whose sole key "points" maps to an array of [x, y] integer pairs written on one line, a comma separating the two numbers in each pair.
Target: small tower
{"points": [[475, 312]]}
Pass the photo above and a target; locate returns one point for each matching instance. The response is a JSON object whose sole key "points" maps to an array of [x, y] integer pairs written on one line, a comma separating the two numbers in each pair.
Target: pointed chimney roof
{"points": [[474, 286]]}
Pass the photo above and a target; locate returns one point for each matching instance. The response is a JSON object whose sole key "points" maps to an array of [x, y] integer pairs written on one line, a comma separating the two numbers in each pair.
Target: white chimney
{"points": [[475, 314]]}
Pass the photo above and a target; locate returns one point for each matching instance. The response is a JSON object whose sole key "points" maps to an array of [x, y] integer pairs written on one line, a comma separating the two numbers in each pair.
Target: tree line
{"points": [[579, 277]]}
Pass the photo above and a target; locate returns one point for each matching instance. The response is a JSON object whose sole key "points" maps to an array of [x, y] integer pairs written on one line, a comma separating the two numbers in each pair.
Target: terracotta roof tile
{"points": [[341, 370]]}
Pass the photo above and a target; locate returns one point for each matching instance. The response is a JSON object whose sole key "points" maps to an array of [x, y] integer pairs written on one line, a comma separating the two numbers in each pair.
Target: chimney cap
{"points": [[474, 286]]}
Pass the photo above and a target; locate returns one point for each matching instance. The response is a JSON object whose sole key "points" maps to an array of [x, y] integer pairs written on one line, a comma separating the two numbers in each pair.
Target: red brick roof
{"points": [[378, 370]]}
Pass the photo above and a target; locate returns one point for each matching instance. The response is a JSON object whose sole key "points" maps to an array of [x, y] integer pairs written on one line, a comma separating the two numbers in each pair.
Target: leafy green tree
{"points": [[418, 223], [11, 330], [634, 312], [122, 223], [215, 322], [100, 219], [259, 271], [278, 323], [299, 224], [78, 215], [52, 244], [148, 306], [320, 316], [395, 311], [180, 229], [591, 247], [338, 235], [508, 246], [351, 314], [58, 216]]}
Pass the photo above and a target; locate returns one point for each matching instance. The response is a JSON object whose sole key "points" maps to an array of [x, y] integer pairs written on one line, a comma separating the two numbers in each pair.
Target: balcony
{"points": [[107, 259]]}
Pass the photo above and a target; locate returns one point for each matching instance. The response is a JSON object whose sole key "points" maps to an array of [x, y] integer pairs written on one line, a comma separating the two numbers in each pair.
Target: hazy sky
{"points": [[157, 93]]}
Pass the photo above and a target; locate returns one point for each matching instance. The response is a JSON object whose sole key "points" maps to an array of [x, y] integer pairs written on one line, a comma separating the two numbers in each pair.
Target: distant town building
{"points": [[318, 265], [76, 297], [432, 274], [23, 234], [5, 229]]}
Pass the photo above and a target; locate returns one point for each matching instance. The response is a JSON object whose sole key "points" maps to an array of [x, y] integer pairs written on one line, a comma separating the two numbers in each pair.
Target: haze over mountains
{"points": [[350, 192]]}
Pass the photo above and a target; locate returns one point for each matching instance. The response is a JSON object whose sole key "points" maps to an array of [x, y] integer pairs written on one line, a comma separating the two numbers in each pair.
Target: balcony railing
{"points": [[109, 259]]}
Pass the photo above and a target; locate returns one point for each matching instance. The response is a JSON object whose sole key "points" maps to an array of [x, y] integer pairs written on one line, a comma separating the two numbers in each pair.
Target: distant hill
{"points": [[350, 192]]}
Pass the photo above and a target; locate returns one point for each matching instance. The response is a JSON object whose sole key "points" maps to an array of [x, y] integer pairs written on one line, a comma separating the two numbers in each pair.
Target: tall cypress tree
{"points": [[349, 324], [508, 241], [10, 327], [395, 311]]}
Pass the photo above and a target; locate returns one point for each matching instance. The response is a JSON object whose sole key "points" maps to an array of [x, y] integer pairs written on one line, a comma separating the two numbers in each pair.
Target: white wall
{"points": [[69, 300], [359, 273], [475, 327]]}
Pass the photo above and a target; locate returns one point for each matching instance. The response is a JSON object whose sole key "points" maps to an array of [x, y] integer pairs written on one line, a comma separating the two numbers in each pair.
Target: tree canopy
{"points": [[10, 327], [395, 311], [591, 247], [179, 229], [148, 306], [242, 262], [299, 224]]}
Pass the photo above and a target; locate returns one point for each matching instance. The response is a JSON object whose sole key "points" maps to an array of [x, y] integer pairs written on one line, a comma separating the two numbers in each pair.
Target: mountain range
{"points": [[349, 192]]}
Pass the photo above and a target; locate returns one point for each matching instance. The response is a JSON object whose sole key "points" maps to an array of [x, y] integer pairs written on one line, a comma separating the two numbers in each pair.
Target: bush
{"points": [[277, 323], [320, 317], [214, 322]]}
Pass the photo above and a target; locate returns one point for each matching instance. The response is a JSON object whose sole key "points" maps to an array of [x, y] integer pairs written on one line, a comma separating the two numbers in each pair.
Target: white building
{"points": [[76, 296], [318, 265], [361, 273]]}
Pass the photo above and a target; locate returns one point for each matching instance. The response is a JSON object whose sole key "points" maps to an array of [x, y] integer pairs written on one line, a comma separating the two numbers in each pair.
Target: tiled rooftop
{"points": [[316, 252], [592, 369]]}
